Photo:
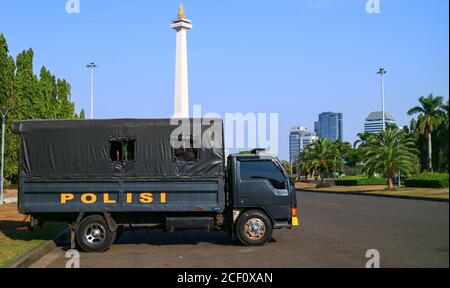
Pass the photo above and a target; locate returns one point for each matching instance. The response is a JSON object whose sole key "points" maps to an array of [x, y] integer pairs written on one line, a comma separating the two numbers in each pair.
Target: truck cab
{"points": [[261, 195]]}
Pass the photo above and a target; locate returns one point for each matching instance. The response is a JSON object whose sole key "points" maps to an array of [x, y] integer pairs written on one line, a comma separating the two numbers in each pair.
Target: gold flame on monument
{"points": [[181, 12]]}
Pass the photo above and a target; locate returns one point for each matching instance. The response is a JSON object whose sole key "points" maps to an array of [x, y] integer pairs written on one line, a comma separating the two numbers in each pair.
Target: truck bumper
{"points": [[294, 221]]}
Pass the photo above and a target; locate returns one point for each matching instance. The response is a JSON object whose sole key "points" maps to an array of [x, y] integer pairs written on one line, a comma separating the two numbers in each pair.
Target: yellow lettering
{"points": [[66, 197], [163, 197], [106, 199], [88, 198], [129, 198], [146, 198]]}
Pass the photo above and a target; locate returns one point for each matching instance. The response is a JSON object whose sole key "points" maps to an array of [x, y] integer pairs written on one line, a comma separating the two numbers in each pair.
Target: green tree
{"points": [[26, 86], [354, 157], [4, 82], [431, 114], [440, 144], [302, 165], [343, 147], [389, 152], [287, 166], [7, 101], [320, 157], [28, 97], [47, 108], [82, 114], [363, 138], [67, 107]]}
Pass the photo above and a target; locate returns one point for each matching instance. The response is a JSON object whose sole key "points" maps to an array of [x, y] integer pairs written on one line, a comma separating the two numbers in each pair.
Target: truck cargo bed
{"points": [[122, 196]]}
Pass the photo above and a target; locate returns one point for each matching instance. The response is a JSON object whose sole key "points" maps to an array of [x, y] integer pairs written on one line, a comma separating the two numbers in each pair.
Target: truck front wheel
{"points": [[254, 228], [93, 234]]}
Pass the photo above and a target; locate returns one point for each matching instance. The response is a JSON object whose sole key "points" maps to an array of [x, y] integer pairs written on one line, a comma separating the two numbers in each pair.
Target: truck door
{"points": [[261, 184]]}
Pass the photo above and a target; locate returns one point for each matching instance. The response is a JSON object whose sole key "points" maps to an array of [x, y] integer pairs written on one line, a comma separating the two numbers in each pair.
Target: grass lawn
{"points": [[15, 243], [442, 193]]}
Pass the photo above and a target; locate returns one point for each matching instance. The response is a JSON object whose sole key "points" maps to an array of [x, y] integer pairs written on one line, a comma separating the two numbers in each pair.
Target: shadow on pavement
{"points": [[49, 230], [190, 237], [159, 237], [163, 238]]}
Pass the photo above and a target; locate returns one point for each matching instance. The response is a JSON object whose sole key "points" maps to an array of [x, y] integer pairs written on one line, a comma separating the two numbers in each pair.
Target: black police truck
{"points": [[101, 176]]}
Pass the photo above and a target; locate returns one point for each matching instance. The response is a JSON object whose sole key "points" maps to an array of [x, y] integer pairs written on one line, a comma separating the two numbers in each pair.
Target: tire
{"points": [[93, 234], [254, 228]]}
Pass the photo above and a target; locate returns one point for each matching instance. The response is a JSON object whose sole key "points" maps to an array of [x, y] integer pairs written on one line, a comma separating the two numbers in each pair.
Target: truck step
{"points": [[182, 223], [279, 225]]}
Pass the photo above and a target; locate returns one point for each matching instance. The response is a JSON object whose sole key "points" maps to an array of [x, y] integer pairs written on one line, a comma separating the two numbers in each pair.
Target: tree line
{"points": [[421, 146], [28, 96]]}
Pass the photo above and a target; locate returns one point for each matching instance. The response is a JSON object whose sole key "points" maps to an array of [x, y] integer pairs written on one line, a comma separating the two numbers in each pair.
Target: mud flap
{"points": [[112, 225], [73, 229]]}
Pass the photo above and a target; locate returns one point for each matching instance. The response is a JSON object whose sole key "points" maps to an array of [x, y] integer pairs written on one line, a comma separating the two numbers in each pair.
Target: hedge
{"points": [[428, 180], [359, 181]]}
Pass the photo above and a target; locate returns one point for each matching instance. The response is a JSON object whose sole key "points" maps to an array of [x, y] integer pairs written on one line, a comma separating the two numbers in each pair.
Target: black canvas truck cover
{"points": [[79, 150]]}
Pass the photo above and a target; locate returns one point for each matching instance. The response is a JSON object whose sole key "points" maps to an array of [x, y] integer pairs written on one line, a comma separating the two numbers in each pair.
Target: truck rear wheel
{"points": [[93, 234], [254, 228]]}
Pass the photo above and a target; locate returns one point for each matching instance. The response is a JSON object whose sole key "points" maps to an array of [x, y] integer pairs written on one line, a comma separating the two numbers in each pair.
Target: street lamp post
{"points": [[3, 153], [382, 72], [91, 67]]}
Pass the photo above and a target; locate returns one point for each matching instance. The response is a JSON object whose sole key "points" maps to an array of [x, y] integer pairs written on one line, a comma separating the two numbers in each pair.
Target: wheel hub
{"points": [[255, 228], [95, 234]]}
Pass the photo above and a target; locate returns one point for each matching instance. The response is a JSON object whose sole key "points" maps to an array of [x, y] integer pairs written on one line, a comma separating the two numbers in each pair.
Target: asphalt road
{"points": [[335, 231]]}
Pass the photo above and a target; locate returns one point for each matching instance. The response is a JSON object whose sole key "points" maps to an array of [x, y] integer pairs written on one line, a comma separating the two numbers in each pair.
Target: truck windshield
{"points": [[251, 170]]}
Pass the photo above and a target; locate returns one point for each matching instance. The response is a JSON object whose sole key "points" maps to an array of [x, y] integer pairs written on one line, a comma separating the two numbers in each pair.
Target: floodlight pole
{"points": [[3, 153], [382, 72], [91, 67]]}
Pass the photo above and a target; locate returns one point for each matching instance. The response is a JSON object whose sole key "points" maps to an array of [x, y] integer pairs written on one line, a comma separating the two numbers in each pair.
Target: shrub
{"points": [[323, 185], [360, 181], [428, 180]]}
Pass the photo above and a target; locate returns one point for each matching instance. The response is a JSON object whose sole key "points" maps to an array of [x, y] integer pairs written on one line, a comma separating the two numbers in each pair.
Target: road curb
{"points": [[365, 193], [37, 253], [10, 200]]}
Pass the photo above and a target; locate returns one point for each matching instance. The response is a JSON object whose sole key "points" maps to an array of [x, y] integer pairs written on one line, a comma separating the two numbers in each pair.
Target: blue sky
{"points": [[293, 57]]}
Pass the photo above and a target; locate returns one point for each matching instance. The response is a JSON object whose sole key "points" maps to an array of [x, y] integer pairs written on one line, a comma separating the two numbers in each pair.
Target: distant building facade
{"points": [[299, 138], [374, 122], [330, 125]]}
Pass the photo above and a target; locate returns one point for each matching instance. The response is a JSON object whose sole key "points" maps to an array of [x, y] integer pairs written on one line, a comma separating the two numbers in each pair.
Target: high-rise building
{"points": [[299, 138], [374, 122], [330, 125]]}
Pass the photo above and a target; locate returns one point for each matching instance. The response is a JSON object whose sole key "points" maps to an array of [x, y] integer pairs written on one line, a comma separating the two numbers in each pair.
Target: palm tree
{"points": [[303, 162], [287, 167], [343, 147], [431, 114], [321, 156], [390, 151], [440, 142], [363, 138]]}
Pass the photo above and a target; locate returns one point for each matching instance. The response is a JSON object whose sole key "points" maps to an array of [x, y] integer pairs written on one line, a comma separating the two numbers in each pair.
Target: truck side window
{"points": [[183, 154], [251, 170], [122, 150]]}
